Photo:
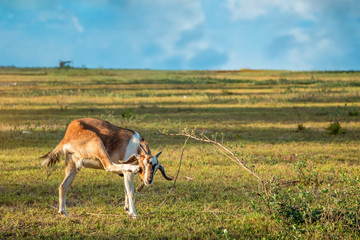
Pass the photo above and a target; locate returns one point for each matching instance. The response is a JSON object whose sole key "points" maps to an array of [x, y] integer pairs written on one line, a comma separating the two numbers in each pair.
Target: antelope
{"points": [[98, 144]]}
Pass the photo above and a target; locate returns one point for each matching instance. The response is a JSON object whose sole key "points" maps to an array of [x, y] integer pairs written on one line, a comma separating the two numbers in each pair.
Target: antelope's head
{"points": [[148, 166]]}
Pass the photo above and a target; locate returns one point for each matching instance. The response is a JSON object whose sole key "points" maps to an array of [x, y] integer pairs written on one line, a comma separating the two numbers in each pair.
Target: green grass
{"points": [[312, 176]]}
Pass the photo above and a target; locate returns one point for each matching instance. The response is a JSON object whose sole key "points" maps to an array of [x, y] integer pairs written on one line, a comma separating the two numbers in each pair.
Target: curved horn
{"points": [[130, 160], [142, 148], [162, 170], [157, 155]]}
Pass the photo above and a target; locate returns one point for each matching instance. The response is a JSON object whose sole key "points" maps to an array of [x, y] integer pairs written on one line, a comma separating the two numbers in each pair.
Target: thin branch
{"points": [[229, 153], [107, 214], [49, 173], [210, 211], [226, 155], [162, 203], [116, 206], [181, 156], [177, 174]]}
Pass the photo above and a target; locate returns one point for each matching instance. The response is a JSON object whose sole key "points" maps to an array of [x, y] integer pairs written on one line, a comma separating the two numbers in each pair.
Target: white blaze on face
{"points": [[132, 146], [150, 169], [147, 170]]}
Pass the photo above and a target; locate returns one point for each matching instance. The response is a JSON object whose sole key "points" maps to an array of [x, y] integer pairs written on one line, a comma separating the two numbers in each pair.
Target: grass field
{"points": [[300, 131]]}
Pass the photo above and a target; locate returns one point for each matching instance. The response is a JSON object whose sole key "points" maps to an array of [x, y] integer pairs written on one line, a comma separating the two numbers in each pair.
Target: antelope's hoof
{"points": [[133, 215], [63, 213]]}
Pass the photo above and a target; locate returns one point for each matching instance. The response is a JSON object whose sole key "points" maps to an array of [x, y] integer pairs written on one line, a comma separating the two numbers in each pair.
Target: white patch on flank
{"points": [[132, 146], [67, 148]]}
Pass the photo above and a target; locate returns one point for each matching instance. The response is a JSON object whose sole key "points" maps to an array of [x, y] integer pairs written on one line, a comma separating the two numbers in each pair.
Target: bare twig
{"points": [[49, 173], [107, 214], [116, 206], [181, 156], [162, 203], [224, 150], [176, 177], [214, 213]]}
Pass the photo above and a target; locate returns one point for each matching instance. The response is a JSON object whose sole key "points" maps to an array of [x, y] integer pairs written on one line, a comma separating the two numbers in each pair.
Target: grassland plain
{"points": [[277, 121]]}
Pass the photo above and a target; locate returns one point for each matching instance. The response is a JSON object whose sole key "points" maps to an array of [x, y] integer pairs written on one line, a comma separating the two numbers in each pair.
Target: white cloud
{"points": [[183, 34], [177, 27], [181, 17], [300, 35], [240, 9], [303, 34], [77, 24], [300, 49], [250, 10], [304, 56], [61, 16], [305, 9]]}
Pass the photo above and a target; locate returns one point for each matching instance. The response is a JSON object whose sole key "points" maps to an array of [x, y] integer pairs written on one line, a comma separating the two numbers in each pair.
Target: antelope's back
{"points": [[114, 138]]}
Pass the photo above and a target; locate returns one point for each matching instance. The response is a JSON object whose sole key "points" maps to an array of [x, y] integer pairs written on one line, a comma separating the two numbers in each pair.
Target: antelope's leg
{"points": [[70, 173], [126, 200], [130, 193], [95, 148], [126, 207]]}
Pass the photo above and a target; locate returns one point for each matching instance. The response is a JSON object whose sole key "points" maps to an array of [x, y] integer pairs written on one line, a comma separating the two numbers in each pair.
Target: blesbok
{"points": [[93, 143]]}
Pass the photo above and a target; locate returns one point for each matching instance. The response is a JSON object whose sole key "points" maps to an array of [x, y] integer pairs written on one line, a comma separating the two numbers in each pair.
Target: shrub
{"points": [[353, 112], [300, 127], [127, 115], [334, 128]]}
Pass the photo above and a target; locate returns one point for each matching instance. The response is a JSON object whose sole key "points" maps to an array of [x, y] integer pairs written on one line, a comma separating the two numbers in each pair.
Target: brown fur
{"points": [[87, 135]]}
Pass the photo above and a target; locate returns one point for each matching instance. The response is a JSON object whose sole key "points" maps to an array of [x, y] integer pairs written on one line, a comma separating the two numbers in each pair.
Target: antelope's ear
{"points": [[143, 149], [131, 159], [157, 155]]}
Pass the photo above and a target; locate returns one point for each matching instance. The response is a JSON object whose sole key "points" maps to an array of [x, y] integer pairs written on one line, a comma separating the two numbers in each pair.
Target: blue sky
{"points": [[182, 34]]}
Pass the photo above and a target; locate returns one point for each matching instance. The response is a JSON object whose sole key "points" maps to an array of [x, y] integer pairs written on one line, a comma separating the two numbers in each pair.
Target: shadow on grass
{"points": [[104, 195], [192, 113], [48, 140], [106, 192], [234, 122]]}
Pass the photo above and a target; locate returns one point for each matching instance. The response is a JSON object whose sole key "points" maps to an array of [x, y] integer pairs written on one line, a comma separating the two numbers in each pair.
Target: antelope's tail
{"points": [[52, 157]]}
